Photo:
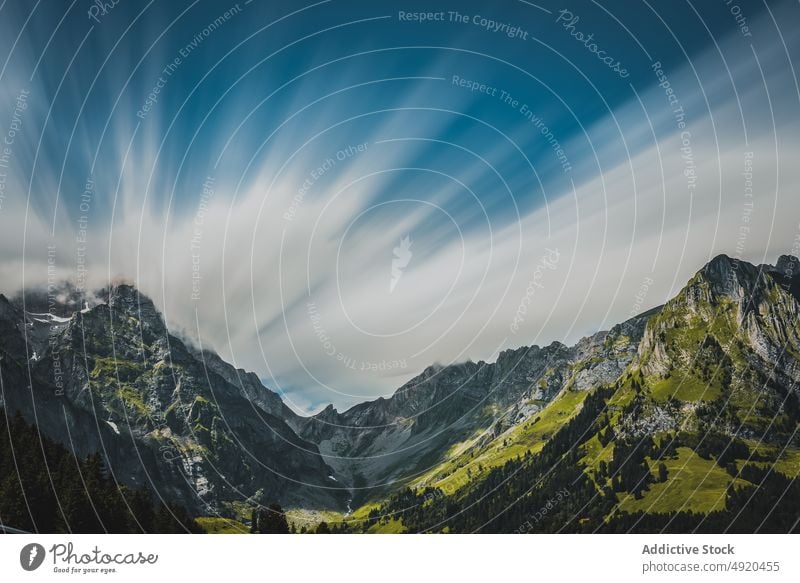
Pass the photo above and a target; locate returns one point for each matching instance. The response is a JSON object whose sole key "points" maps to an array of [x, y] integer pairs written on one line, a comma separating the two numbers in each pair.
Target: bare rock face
{"points": [[250, 386]]}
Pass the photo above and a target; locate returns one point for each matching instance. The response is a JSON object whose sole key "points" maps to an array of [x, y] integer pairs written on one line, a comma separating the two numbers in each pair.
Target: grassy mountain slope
{"points": [[700, 431]]}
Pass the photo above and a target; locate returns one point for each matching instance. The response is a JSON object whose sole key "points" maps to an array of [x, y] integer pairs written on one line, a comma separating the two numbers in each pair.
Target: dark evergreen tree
{"points": [[45, 488], [272, 520]]}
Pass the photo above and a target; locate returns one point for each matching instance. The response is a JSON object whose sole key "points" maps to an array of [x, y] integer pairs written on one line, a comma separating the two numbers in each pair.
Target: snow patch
{"points": [[47, 317]]}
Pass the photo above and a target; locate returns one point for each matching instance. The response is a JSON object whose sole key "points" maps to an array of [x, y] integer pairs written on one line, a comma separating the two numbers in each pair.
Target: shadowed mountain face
{"points": [[110, 378], [722, 358]]}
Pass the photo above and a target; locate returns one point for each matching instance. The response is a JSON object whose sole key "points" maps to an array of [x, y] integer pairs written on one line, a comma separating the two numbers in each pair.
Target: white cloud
{"points": [[461, 290]]}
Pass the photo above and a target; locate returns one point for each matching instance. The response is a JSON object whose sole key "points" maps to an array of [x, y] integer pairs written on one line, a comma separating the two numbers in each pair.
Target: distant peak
{"points": [[724, 264], [6, 306], [327, 413], [721, 259], [122, 289], [727, 270], [727, 277], [123, 294], [788, 265], [126, 298]]}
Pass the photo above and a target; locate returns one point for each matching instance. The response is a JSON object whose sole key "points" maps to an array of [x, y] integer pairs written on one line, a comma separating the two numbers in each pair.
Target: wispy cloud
{"points": [[298, 263]]}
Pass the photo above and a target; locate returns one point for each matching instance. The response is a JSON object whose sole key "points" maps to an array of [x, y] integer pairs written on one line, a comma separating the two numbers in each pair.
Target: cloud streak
{"points": [[284, 257]]}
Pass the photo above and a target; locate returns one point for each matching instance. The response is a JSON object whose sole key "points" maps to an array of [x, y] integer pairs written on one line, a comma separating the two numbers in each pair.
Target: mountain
{"points": [[682, 418], [699, 432], [375, 446], [111, 378]]}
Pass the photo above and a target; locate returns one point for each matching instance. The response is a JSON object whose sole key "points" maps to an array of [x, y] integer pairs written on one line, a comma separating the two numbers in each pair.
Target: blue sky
{"points": [[249, 161]]}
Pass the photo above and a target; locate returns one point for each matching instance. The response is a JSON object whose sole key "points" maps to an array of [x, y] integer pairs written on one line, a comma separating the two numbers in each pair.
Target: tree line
{"points": [[45, 488]]}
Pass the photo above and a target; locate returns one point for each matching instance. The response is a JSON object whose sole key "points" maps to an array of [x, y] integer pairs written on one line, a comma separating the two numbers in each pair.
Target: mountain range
{"points": [[670, 420]]}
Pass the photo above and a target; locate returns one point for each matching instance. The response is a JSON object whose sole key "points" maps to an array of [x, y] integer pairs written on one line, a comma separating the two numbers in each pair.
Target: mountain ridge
{"points": [[232, 440], [700, 432]]}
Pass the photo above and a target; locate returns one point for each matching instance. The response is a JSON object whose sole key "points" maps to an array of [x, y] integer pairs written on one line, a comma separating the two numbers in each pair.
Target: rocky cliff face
{"points": [[724, 354], [111, 378], [751, 312]]}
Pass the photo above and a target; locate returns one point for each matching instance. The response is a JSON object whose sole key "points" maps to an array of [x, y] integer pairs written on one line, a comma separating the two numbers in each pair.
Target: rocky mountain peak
{"points": [[6, 308], [329, 414], [248, 383], [730, 277], [126, 298], [788, 265]]}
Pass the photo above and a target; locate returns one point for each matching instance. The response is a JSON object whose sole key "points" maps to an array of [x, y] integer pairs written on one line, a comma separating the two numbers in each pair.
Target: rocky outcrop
{"points": [[753, 312]]}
